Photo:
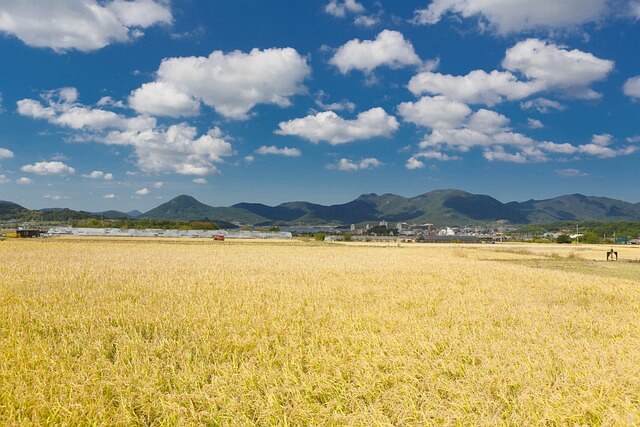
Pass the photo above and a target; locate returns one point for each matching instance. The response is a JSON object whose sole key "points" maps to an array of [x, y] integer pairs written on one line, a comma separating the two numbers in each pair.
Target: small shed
{"points": [[219, 237], [26, 234]]}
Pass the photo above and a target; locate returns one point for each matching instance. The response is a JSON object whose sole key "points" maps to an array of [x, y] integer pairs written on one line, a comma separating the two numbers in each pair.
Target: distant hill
{"points": [[577, 207], [441, 207], [112, 214], [188, 208]]}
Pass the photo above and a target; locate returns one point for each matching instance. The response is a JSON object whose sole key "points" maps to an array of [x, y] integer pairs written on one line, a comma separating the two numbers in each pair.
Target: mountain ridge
{"points": [[439, 207]]}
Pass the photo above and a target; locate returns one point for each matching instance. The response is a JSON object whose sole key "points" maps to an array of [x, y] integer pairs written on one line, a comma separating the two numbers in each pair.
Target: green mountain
{"points": [[577, 207], [441, 207], [187, 208]]}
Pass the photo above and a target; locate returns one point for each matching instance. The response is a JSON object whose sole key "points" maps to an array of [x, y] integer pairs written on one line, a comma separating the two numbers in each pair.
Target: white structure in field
{"points": [[205, 234]]}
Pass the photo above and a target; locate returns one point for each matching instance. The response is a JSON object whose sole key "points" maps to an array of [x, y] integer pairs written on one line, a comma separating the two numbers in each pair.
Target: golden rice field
{"points": [[155, 332]]}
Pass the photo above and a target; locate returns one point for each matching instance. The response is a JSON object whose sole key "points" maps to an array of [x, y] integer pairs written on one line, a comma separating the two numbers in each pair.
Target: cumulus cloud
{"points": [[534, 123], [389, 49], [163, 99], [456, 127], [415, 162], [284, 151], [434, 112], [631, 87], [333, 106], [84, 25], [554, 68], [477, 87], [231, 83], [24, 181], [366, 20], [340, 8], [107, 101], [60, 108], [158, 184], [347, 165], [177, 148], [542, 105], [545, 67], [143, 192], [514, 16], [200, 181], [330, 127], [4, 179], [99, 175], [110, 196], [5, 153], [49, 168], [602, 140]]}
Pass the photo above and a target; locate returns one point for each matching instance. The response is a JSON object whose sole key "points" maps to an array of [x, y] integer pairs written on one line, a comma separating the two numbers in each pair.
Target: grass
{"points": [[155, 332]]}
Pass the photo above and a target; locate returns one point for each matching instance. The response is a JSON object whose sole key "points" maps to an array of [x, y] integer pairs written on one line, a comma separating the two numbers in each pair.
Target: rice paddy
{"points": [[161, 332]]}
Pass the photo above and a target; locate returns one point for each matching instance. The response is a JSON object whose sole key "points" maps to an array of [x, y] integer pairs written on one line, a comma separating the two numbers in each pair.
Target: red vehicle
{"points": [[218, 237]]}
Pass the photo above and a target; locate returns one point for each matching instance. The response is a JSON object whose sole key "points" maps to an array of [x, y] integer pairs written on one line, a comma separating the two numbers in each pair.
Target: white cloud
{"points": [[4, 179], [107, 101], [340, 8], [61, 109], [366, 20], [176, 148], [158, 184], [231, 83], [435, 112], [554, 68], [334, 106], [526, 155], [140, 13], [602, 139], [542, 105], [163, 99], [200, 181], [513, 16], [414, 161], [84, 25], [99, 175], [347, 165], [488, 122], [24, 181], [143, 192], [5, 153], [330, 127], [631, 87], [546, 67], [534, 123], [49, 168], [1, 100], [285, 151], [388, 49], [570, 173], [477, 87], [110, 196], [55, 197]]}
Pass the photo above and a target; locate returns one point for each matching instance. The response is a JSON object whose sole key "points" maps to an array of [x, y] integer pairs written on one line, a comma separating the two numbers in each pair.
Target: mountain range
{"points": [[441, 207]]}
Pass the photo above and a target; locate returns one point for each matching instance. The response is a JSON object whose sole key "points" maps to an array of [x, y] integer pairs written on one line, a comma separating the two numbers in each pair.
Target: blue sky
{"points": [[125, 104]]}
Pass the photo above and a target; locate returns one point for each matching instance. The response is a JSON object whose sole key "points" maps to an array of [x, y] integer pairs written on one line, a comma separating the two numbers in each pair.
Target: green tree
{"points": [[563, 238]]}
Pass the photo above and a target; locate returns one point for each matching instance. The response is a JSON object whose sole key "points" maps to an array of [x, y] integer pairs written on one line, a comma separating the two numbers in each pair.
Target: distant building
{"points": [[26, 234], [383, 223]]}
